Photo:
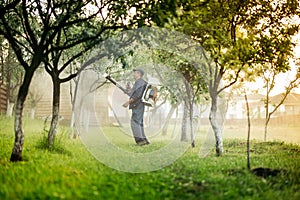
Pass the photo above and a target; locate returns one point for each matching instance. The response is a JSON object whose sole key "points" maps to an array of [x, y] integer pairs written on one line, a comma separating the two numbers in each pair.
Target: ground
{"points": [[71, 172]]}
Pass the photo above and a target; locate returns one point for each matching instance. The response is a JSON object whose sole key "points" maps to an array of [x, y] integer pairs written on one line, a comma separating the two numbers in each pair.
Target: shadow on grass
{"points": [[259, 172], [267, 172]]}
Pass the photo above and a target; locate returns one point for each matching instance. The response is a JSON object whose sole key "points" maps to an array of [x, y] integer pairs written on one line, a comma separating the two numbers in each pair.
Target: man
{"points": [[137, 106]]}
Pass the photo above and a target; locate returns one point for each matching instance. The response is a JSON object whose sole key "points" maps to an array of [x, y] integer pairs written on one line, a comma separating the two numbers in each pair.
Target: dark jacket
{"points": [[137, 92]]}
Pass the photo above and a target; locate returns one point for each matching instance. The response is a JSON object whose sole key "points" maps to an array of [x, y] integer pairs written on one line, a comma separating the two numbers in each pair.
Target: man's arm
{"points": [[136, 93], [126, 104]]}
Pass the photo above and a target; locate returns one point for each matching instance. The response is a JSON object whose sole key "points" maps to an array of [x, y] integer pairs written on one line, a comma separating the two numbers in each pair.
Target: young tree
{"points": [[272, 107], [190, 86], [248, 132], [275, 51], [195, 85]]}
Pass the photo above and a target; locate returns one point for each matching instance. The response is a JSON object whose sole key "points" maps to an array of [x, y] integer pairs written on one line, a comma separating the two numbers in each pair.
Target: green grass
{"points": [[75, 174]]}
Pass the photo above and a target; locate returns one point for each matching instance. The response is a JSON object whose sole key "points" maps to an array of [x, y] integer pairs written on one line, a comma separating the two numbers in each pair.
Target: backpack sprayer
{"points": [[149, 95]]}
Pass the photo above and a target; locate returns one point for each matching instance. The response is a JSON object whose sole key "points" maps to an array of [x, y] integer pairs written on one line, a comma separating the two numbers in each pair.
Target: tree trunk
{"points": [[73, 101], [184, 124], [215, 126], [248, 135], [72, 133], [267, 118], [10, 108], [192, 124], [266, 128], [18, 127], [32, 113], [166, 124], [55, 111], [189, 105]]}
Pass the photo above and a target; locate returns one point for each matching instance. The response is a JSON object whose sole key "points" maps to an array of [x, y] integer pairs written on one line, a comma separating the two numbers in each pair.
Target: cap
{"points": [[139, 70]]}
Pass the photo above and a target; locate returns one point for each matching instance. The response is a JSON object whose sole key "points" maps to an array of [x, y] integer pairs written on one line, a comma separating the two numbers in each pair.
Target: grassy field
{"points": [[71, 172]]}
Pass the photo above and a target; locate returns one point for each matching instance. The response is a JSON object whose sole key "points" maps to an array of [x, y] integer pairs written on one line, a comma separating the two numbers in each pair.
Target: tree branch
{"points": [[71, 76], [233, 82], [27, 25], [291, 86], [9, 36], [70, 61]]}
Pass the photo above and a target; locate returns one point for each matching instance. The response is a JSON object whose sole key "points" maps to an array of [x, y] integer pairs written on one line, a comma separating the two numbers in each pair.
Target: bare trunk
{"points": [[248, 136], [267, 118], [16, 154], [190, 103], [32, 113], [184, 124], [72, 134], [55, 112], [167, 122], [192, 125], [266, 128], [215, 126], [73, 101], [10, 108]]}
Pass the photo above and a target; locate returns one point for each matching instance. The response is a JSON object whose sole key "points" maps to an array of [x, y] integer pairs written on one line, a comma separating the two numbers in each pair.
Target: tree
{"points": [[33, 29], [20, 42], [36, 91], [173, 108], [248, 132], [228, 31], [217, 30], [112, 17], [188, 89], [194, 86], [30, 38], [12, 75], [275, 51], [269, 80], [73, 95]]}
